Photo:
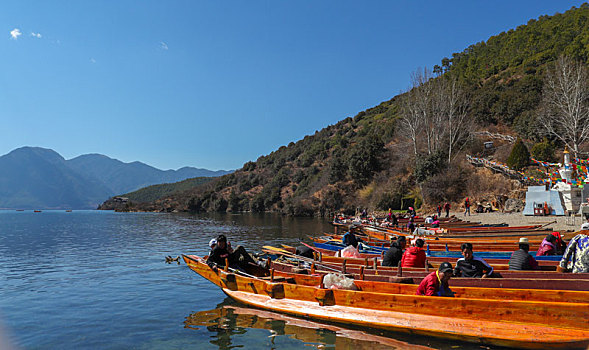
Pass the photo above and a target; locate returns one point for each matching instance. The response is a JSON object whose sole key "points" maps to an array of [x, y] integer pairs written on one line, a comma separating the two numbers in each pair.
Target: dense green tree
{"points": [[519, 157], [429, 165], [363, 159], [337, 169]]}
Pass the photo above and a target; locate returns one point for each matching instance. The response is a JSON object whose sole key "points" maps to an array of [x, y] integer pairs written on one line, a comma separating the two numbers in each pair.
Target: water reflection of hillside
{"points": [[229, 321]]}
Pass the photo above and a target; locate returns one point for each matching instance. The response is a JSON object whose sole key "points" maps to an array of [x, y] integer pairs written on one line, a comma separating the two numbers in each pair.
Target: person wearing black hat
{"points": [[238, 258], [436, 283], [395, 252]]}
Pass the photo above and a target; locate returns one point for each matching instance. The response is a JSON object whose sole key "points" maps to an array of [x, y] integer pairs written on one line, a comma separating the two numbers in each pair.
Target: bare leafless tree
{"points": [[415, 108], [434, 114], [565, 109], [459, 125]]}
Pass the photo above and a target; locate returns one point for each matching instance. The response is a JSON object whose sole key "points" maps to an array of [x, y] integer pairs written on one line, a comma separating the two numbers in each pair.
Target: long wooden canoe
{"points": [[517, 280], [431, 259], [303, 276], [512, 323]]}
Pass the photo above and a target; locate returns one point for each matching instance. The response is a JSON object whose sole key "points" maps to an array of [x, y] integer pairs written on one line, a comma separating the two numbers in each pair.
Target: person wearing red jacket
{"points": [[414, 256], [436, 283]]}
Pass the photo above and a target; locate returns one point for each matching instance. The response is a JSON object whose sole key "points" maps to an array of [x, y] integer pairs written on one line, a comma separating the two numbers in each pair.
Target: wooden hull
{"points": [[398, 285], [514, 280], [522, 324]]}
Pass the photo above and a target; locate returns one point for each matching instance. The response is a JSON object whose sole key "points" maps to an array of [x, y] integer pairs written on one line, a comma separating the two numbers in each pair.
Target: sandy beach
{"points": [[557, 223]]}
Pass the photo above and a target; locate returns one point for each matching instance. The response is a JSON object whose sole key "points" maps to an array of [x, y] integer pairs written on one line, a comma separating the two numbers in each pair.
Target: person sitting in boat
{"points": [[414, 256], [429, 220], [559, 244], [350, 239], [469, 266], [394, 220], [238, 258], [304, 251], [395, 253], [521, 259], [548, 246], [410, 225], [436, 283], [436, 223], [577, 254]]}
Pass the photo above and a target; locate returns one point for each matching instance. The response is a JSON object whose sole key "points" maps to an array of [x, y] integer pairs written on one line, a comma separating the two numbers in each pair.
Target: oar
{"points": [[546, 224], [235, 270], [309, 246]]}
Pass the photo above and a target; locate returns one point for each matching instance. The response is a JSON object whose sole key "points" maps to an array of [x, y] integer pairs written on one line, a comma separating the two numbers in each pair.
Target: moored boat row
{"points": [[523, 309], [515, 323]]}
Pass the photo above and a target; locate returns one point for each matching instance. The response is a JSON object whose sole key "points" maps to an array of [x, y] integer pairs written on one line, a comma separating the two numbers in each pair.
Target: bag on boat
{"points": [[335, 281], [350, 252]]}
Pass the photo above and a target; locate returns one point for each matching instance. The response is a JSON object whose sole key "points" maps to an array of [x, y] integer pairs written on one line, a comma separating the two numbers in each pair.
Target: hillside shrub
{"points": [[363, 159], [337, 170], [519, 157], [448, 185], [389, 200], [249, 166], [257, 203], [544, 151], [429, 165]]}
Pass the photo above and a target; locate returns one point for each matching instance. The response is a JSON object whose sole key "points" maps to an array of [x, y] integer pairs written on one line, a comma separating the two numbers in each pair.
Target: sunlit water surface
{"points": [[97, 280]]}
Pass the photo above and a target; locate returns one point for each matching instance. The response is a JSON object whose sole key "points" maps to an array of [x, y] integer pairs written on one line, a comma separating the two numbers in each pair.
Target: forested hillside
{"points": [[386, 157]]}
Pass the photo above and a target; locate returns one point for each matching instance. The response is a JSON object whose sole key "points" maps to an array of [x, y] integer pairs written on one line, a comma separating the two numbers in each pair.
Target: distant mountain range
{"points": [[40, 178]]}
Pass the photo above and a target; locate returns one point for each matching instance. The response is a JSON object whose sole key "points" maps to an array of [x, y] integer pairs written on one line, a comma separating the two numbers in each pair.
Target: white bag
{"points": [[335, 281]]}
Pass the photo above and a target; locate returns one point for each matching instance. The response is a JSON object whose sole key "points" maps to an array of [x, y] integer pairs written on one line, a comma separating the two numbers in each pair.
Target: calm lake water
{"points": [[97, 280]]}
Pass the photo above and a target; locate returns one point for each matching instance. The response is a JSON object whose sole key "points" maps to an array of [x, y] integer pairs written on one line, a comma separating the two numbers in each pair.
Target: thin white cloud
{"points": [[163, 45], [15, 33], [92, 60], [36, 35]]}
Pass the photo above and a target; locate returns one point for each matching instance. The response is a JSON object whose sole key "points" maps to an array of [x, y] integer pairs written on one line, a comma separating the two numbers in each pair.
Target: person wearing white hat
{"points": [[212, 244], [521, 259], [238, 258]]}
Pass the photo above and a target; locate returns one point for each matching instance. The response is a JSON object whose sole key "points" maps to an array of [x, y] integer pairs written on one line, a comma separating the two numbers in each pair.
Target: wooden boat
{"points": [[512, 323], [546, 265], [441, 241], [399, 286], [336, 246], [437, 245], [521, 280], [37, 211], [388, 233]]}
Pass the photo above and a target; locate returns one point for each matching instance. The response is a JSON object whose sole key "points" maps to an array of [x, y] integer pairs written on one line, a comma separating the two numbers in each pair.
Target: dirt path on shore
{"points": [[562, 224]]}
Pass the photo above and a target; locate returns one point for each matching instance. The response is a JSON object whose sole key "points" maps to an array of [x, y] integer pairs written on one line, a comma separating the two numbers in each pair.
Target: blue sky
{"points": [[214, 84]]}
